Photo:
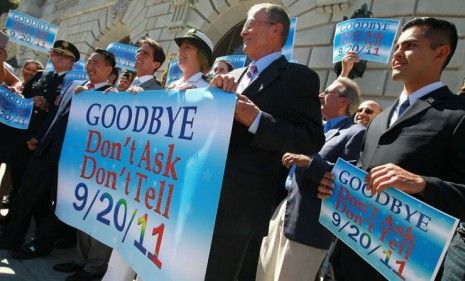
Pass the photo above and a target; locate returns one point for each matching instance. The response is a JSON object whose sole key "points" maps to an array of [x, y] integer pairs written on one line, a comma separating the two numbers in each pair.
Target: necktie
{"points": [[247, 78], [90, 86], [403, 107]]}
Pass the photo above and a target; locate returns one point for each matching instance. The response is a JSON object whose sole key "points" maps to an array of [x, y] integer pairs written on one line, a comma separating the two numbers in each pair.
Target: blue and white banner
{"points": [[125, 55], [399, 235], [371, 38], [15, 111], [73, 75], [143, 175], [30, 32], [237, 61], [288, 47], [174, 72]]}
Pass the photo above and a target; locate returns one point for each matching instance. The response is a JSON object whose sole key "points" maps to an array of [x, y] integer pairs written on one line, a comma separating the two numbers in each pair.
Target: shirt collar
{"points": [[98, 85], [420, 92], [264, 62], [195, 77], [144, 78], [331, 123]]}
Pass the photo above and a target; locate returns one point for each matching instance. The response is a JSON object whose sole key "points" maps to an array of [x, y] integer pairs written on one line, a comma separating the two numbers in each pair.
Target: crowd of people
{"points": [[286, 137]]}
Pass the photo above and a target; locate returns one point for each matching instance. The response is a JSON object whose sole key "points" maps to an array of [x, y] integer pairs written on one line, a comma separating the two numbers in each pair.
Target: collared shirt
{"points": [[195, 81], [413, 98], [331, 123], [98, 85], [142, 79], [261, 65]]}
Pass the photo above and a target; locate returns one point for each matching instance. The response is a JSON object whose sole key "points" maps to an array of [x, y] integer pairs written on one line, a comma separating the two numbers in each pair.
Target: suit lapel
{"points": [[335, 131], [267, 76], [418, 106]]}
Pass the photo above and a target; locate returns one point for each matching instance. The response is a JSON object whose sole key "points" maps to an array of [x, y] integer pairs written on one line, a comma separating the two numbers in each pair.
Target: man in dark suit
{"points": [[40, 179], [296, 243], [418, 148], [43, 89], [277, 111]]}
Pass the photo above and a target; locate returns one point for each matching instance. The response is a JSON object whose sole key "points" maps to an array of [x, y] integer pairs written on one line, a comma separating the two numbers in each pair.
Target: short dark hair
{"points": [[228, 65], [158, 53], [438, 32], [128, 75], [109, 57], [276, 14]]}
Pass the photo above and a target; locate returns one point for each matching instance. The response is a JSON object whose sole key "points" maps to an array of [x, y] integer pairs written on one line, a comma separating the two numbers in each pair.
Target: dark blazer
{"points": [[287, 94], [429, 140], [50, 143], [303, 207]]}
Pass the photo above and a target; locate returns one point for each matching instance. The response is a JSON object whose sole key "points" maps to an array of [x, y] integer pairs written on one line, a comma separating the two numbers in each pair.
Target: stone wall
{"points": [[96, 23]]}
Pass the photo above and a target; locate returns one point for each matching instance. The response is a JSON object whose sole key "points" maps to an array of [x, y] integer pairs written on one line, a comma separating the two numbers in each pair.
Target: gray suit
{"points": [[151, 84]]}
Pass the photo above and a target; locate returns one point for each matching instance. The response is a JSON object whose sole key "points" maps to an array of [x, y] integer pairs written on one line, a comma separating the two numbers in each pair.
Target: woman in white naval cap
{"points": [[195, 56]]}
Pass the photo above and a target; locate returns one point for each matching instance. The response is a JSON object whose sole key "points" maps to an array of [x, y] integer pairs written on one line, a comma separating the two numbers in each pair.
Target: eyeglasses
{"points": [[250, 23], [60, 54], [366, 109]]}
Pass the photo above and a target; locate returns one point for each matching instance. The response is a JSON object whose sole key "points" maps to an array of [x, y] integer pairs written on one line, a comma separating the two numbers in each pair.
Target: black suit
{"points": [[13, 150], [428, 140], [287, 95], [303, 207], [39, 183]]}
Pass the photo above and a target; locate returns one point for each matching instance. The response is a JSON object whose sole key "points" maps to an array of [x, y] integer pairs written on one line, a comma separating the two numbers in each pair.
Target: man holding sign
{"points": [[416, 145]]}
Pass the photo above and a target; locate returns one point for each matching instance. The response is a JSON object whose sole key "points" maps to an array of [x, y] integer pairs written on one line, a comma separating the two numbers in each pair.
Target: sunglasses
{"points": [[367, 110]]}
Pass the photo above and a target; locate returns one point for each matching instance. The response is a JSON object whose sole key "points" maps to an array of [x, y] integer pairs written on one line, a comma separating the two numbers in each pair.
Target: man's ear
{"points": [[442, 52]]}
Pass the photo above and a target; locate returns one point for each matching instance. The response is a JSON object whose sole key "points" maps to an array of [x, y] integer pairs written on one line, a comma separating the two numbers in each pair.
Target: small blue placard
{"points": [[372, 39], [30, 32], [125, 55], [400, 236], [15, 111]]}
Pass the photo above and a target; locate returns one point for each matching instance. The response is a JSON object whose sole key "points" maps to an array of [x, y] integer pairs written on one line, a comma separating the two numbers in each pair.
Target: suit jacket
{"points": [[301, 222], [287, 94], [151, 84], [428, 139], [53, 133]]}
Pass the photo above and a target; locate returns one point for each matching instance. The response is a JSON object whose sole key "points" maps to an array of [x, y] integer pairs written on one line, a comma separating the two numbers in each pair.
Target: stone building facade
{"points": [[96, 23]]}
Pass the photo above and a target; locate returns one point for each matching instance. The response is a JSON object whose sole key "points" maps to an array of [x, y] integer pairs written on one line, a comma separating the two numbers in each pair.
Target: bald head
{"points": [[366, 111]]}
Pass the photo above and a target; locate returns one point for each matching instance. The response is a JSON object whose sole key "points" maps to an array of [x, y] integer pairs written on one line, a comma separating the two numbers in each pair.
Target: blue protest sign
{"points": [[15, 111], [399, 235], [30, 32], [288, 47], [73, 75], [174, 72], [371, 38], [125, 55], [143, 175], [237, 61]]}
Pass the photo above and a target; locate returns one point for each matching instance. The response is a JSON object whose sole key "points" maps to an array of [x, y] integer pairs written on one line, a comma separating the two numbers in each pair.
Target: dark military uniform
{"points": [[13, 149]]}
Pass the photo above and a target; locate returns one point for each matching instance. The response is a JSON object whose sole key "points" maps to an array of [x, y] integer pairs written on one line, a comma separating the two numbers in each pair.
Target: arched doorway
{"points": [[230, 43]]}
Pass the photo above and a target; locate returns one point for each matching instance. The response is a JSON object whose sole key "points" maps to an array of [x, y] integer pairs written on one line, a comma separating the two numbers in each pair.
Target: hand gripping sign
{"points": [[143, 175], [399, 235]]}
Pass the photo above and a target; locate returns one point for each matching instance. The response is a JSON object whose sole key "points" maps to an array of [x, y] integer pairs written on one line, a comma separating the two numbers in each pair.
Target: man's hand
{"points": [[224, 82], [32, 144], [80, 89], [388, 175], [348, 62], [134, 90], [3, 55], [325, 189], [246, 110], [299, 160], [41, 102], [110, 90]]}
